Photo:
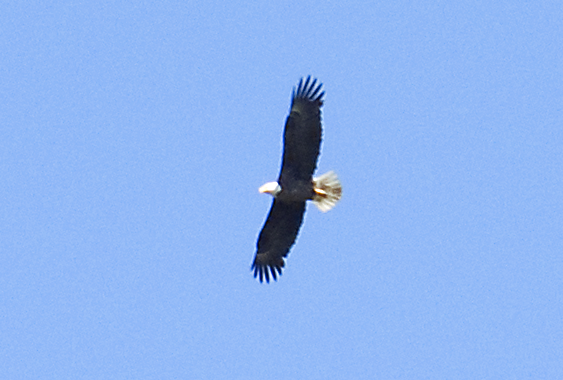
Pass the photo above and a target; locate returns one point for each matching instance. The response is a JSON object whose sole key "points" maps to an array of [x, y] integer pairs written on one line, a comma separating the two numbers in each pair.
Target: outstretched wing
{"points": [[277, 237], [303, 132]]}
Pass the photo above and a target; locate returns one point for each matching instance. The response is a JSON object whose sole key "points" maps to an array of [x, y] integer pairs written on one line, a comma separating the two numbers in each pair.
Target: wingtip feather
{"points": [[263, 270], [308, 90]]}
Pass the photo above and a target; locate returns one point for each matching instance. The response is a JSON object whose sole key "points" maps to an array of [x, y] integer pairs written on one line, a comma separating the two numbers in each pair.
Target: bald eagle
{"points": [[295, 185]]}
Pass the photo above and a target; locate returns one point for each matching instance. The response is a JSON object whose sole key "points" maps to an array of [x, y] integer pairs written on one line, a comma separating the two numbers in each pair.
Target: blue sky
{"points": [[134, 137]]}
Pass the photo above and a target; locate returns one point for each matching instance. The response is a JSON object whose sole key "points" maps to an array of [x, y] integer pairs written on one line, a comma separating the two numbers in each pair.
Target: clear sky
{"points": [[133, 139]]}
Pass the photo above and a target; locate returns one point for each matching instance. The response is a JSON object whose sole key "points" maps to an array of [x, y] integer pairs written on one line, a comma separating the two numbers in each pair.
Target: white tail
{"points": [[328, 191]]}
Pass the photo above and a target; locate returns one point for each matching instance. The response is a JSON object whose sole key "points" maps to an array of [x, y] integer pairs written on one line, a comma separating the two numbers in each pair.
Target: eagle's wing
{"points": [[277, 237], [302, 135]]}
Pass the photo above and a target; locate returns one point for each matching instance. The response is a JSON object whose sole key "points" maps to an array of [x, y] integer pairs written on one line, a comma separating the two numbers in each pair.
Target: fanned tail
{"points": [[328, 191]]}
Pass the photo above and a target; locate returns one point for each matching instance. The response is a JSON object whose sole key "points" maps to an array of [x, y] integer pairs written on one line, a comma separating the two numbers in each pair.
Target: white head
{"points": [[272, 188]]}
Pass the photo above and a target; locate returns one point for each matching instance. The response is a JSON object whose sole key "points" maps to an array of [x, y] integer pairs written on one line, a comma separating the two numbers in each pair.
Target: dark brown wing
{"points": [[277, 237], [302, 136]]}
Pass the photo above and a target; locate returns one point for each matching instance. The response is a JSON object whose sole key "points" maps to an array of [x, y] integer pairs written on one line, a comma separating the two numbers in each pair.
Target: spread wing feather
{"points": [[302, 135], [277, 237]]}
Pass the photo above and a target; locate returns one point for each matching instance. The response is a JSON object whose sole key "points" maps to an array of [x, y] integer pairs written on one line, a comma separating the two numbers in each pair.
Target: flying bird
{"points": [[295, 185]]}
